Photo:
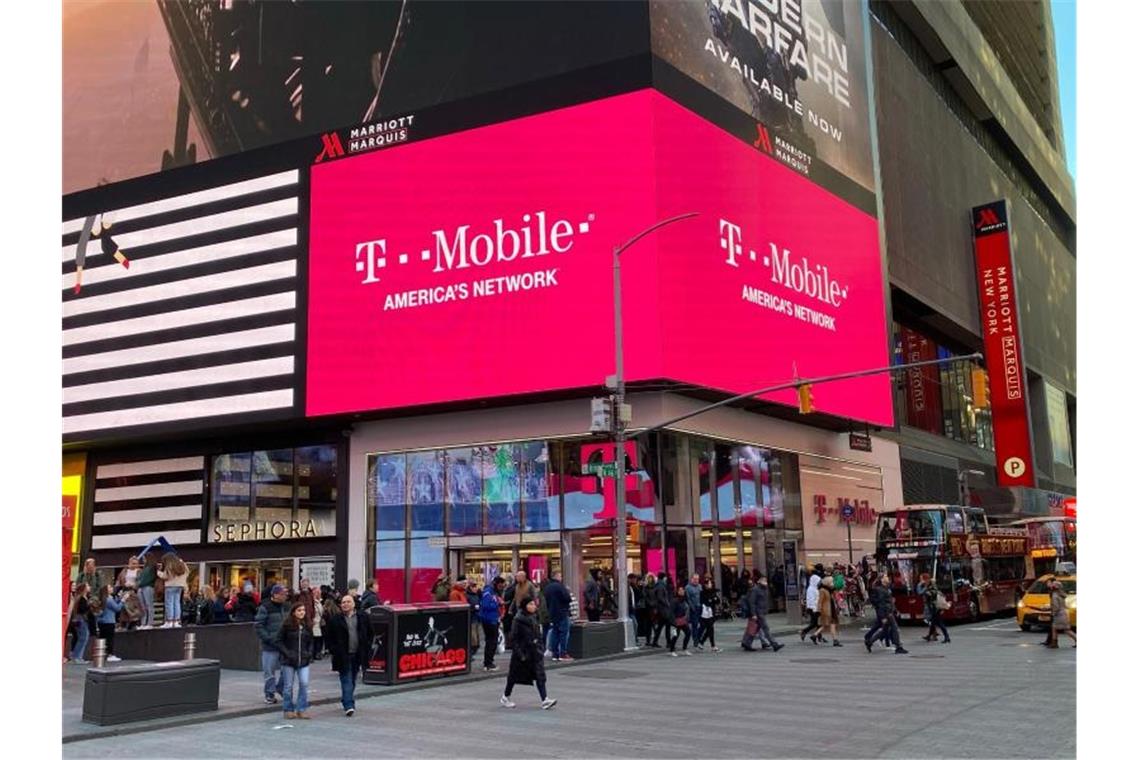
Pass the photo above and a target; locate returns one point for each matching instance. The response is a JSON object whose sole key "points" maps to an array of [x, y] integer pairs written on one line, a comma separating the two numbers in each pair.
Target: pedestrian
{"points": [[441, 589], [1060, 610], [828, 613], [637, 607], [693, 600], [490, 612], [222, 605], [204, 611], [132, 610], [935, 603], [592, 595], [354, 592], [294, 642], [886, 623], [78, 611], [526, 655], [681, 616], [267, 623], [758, 604], [710, 608], [663, 609], [472, 594], [349, 639], [246, 604], [458, 591], [811, 602], [368, 599], [173, 572], [649, 597], [110, 605], [557, 599], [129, 575]]}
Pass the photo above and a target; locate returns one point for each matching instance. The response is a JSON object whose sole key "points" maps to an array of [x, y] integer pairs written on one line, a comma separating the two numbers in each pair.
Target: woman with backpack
{"points": [[935, 603], [173, 572], [295, 643]]}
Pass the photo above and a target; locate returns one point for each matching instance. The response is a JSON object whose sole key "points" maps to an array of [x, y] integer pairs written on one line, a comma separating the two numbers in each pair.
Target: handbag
{"points": [[752, 627], [680, 621], [940, 602], [706, 612]]}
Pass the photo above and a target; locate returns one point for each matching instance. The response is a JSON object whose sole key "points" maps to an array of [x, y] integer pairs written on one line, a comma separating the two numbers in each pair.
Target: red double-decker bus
{"points": [[977, 567]]}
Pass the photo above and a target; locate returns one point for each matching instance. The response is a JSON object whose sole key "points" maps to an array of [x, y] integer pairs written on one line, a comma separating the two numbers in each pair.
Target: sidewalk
{"points": [[240, 691]]}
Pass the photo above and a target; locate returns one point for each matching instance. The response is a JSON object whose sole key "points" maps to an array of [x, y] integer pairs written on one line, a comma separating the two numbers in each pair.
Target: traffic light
{"points": [[804, 392], [981, 388]]}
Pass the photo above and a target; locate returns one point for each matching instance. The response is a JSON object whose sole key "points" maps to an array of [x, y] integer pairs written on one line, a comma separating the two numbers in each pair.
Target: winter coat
{"points": [[824, 602], [489, 607], [526, 650], [693, 597], [172, 580], [883, 601], [221, 614], [592, 595], [245, 608], [270, 616], [758, 601], [337, 637], [111, 608], [680, 609], [812, 598], [557, 601], [368, 599], [710, 598], [1059, 610], [663, 601], [295, 643]]}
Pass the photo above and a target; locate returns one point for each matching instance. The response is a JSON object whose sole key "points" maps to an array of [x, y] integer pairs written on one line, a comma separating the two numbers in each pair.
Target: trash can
{"points": [[411, 642]]}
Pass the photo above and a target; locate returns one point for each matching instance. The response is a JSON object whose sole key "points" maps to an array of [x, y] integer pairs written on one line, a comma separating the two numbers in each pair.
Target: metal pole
{"points": [[619, 455], [189, 642], [850, 554]]}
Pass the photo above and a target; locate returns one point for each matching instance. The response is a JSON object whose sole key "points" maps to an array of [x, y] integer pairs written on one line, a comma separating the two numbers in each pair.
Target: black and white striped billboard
{"points": [[137, 501], [182, 310]]}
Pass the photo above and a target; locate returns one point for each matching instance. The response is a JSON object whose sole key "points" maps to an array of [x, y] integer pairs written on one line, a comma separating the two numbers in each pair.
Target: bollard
{"points": [[99, 653], [188, 644]]}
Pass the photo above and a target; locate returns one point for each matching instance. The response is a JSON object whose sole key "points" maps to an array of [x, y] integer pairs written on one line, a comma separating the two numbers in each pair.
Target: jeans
{"points": [[146, 597], [695, 626], [887, 629], [271, 672], [172, 610], [936, 620], [491, 637], [560, 635], [348, 686], [763, 633], [288, 673], [82, 634]]}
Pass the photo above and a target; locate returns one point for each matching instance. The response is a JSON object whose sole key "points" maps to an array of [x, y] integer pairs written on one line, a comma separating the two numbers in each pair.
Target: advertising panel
{"points": [[432, 643], [836, 495], [479, 264], [997, 299], [795, 67], [152, 85]]}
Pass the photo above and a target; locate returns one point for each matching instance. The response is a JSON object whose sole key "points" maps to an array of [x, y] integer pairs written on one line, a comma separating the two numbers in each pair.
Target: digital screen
{"points": [[479, 264]]}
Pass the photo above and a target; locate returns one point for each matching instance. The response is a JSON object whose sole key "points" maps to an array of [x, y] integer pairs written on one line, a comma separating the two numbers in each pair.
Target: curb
{"points": [[382, 691]]}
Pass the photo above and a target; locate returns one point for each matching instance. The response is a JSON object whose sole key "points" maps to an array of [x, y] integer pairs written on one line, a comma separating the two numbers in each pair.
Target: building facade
{"points": [[352, 346]]}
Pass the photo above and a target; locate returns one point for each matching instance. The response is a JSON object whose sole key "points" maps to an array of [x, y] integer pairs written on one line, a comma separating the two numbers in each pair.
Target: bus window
{"points": [[955, 522], [977, 520]]}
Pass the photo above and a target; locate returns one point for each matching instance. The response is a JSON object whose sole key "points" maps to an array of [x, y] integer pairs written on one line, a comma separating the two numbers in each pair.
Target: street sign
{"points": [[601, 469], [859, 441], [847, 511]]}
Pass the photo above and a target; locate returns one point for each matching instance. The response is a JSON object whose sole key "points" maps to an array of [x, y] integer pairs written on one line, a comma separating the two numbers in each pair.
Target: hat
{"points": [[353, 584], [277, 589]]}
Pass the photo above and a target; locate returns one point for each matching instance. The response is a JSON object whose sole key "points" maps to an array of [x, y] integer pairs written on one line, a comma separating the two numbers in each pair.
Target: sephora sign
{"points": [[479, 265]]}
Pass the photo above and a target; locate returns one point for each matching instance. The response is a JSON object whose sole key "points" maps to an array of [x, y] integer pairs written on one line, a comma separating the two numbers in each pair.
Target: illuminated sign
{"points": [[265, 530]]}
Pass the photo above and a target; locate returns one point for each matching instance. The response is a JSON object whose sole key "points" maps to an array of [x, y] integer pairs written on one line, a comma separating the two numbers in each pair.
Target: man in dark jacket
{"points": [[349, 640], [663, 605], [592, 596], [369, 599], [637, 606], [886, 625], [489, 613], [693, 597], [758, 611], [558, 606], [270, 615]]}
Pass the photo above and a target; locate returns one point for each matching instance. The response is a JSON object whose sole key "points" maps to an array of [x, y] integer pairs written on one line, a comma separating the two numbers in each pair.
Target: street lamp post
{"points": [[619, 429]]}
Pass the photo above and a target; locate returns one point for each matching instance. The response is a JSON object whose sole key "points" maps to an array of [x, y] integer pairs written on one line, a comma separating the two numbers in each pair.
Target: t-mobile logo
{"points": [[795, 273]]}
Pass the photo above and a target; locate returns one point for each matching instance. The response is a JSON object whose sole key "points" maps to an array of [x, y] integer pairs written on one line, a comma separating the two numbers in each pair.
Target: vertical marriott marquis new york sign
{"points": [[478, 264]]}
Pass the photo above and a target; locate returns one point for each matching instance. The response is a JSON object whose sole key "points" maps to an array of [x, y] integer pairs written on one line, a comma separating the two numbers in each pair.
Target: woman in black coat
{"points": [[526, 655]]}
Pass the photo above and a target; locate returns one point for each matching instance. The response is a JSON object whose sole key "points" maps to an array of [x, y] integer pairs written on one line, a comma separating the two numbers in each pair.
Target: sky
{"points": [[1065, 36]]}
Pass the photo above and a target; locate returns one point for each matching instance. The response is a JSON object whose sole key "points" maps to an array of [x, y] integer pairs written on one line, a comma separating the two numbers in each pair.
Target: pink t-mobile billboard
{"points": [[479, 264]]}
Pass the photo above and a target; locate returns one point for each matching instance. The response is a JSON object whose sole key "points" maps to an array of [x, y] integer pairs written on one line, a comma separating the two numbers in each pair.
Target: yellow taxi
{"points": [[1033, 609]]}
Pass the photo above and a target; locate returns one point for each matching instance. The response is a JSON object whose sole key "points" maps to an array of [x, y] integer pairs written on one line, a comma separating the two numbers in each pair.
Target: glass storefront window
{"points": [[387, 495], [540, 500], [727, 484], [426, 493], [316, 482], [582, 494], [464, 492], [230, 491], [499, 469], [390, 570], [273, 484], [425, 563]]}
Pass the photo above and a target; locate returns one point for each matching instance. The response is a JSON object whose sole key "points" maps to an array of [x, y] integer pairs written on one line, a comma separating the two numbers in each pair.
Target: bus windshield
{"points": [[911, 524]]}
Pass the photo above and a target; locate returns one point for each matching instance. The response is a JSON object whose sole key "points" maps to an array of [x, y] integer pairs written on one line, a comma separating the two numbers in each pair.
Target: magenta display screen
{"points": [[479, 265]]}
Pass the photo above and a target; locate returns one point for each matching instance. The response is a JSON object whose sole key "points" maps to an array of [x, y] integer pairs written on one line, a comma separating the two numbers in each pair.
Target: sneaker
{"points": [[686, 652], [81, 661], [549, 655], [900, 650], [113, 658], [718, 650], [270, 699], [836, 644], [671, 654], [868, 645], [490, 668], [699, 647], [350, 712], [777, 647], [548, 703], [506, 702], [567, 658]]}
